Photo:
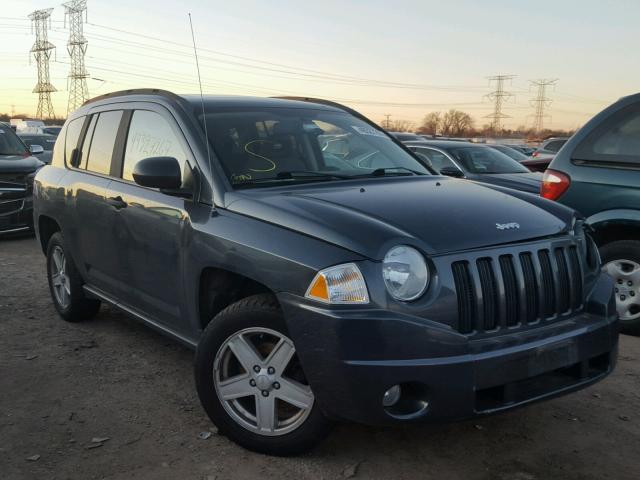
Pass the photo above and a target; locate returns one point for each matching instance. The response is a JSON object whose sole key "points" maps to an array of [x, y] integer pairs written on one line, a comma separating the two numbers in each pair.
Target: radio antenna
{"points": [[204, 118]]}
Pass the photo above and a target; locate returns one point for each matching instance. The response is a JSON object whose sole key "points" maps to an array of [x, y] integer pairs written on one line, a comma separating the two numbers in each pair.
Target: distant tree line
{"points": [[5, 117], [455, 123]]}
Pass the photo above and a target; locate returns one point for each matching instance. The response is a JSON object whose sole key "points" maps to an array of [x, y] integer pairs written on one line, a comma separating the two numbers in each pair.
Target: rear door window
{"points": [[616, 141], [103, 142]]}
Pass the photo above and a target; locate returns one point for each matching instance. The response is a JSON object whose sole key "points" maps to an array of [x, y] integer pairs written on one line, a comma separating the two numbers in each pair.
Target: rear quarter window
{"points": [[57, 158], [616, 142]]}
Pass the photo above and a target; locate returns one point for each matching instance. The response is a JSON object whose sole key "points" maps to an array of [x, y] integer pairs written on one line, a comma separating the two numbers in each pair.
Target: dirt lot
{"points": [[64, 385]]}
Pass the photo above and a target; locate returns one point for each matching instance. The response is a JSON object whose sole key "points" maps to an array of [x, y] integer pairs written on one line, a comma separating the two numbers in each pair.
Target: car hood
{"points": [[436, 214], [527, 181], [19, 164]]}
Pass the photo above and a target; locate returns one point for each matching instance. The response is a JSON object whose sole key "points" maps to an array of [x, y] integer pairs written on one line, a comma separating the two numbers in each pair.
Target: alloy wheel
{"points": [[59, 278], [626, 274], [259, 382]]}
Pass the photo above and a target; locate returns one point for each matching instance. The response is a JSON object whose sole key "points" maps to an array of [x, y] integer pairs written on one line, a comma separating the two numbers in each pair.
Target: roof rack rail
{"points": [[135, 91]]}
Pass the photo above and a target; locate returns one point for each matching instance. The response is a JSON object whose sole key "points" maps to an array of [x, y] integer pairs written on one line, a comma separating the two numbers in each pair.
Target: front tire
{"points": [[621, 260], [251, 384], [65, 284]]}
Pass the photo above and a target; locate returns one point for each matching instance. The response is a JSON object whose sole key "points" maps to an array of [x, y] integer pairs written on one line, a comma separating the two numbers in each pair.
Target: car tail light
{"points": [[535, 154], [554, 184]]}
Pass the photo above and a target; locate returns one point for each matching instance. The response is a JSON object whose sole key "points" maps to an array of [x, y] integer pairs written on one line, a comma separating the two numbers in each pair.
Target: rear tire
{"points": [[65, 284], [258, 376], [621, 259]]}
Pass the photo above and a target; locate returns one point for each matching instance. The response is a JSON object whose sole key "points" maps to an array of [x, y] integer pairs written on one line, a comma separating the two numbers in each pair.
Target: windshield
{"points": [[10, 144], [479, 159], [269, 145]]}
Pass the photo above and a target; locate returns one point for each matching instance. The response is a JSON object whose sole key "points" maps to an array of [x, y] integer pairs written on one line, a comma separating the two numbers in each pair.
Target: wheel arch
{"points": [[46, 227], [218, 288], [614, 225]]}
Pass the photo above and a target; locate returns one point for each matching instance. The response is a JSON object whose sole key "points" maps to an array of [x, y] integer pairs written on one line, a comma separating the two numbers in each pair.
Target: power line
{"points": [[541, 101], [41, 22], [272, 66], [76, 12], [499, 96]]}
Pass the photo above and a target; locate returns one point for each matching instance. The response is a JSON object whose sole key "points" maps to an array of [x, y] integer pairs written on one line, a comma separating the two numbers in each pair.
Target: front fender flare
{"points": [[628, 217]]}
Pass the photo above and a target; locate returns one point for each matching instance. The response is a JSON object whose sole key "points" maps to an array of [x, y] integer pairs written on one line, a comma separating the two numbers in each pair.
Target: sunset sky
{"points": [[403, 58]]}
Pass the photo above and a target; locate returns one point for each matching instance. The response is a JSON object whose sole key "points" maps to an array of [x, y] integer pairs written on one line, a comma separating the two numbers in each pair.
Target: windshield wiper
{"points": [[381, 172], [310, 173], [295, 175]]}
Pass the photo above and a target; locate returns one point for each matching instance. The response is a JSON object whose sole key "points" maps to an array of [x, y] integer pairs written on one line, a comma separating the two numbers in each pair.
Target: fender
{"points": [[622, 216]]}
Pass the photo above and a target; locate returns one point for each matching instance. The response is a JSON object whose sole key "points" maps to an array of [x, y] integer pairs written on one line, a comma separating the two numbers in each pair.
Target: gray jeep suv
{"points": [[313, 285]]}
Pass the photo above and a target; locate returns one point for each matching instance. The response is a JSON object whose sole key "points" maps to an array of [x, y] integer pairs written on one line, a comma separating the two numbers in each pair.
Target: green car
{"points": [[597, 172]]}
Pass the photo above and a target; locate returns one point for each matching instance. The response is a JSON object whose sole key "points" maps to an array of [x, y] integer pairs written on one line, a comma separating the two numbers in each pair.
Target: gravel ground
{"points": [[112, 399]]}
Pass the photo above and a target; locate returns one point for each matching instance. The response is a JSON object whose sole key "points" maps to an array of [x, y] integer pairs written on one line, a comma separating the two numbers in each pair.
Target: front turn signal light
{"points": [[341, 285]]}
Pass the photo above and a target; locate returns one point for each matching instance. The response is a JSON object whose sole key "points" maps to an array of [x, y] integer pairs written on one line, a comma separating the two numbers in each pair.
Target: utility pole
{"points": [[541, 101], [13, 110], [387, 122], [499, 96], [41, 50], [76, 12]]}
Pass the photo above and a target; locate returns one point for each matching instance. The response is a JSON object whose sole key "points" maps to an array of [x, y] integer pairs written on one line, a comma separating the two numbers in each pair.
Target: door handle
{"points": [[117, 202]]}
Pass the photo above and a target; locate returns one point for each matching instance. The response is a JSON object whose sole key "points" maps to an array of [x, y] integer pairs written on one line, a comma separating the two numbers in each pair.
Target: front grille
{"points": [[13, 179], [511, 290], [7, 208]]}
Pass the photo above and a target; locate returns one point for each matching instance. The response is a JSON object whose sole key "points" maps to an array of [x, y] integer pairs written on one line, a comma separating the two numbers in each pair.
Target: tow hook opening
{"points": [[406, 401]]}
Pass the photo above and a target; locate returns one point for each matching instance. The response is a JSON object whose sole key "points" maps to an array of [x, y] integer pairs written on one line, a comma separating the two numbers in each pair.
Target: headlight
{"points": [[405, 273], [343, 284]]}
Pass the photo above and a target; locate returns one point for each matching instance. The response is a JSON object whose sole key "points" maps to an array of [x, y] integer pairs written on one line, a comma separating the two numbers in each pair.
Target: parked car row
{"points": [[321, 269], [33, 126], [478, 162], [18, 166]]}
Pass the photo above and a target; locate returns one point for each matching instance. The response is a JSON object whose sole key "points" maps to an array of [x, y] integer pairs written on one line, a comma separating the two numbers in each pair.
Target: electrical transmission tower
{"points": [[541, 101], [76, 13], [40, 23], [499, 96]]}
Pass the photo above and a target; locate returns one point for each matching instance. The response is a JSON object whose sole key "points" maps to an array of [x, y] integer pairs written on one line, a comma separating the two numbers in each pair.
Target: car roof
{"points": [[233, 101], [219, 101]]}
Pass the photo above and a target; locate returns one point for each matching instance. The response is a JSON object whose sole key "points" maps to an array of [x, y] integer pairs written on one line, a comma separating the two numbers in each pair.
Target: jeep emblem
{"points": [[507, 226]]}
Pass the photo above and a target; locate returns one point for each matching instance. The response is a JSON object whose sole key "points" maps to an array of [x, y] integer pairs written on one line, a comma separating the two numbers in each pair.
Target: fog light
{"points": [[391, 396]]}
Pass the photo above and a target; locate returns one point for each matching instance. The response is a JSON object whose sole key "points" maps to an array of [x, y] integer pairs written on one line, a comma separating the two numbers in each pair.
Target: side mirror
{"points": [[74, 161], [36, 149], [158, 172], [452, 172]]}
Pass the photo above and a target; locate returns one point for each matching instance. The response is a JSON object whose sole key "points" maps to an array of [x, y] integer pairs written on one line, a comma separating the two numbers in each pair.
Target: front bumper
{"points": [[16, 213], [351, 356]]}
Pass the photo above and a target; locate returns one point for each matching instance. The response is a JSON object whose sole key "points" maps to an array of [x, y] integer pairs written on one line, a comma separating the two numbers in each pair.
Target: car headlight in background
{"points": [[405, 273], [342, 284]]}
